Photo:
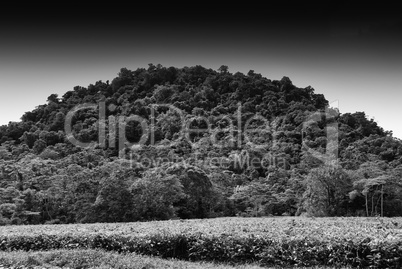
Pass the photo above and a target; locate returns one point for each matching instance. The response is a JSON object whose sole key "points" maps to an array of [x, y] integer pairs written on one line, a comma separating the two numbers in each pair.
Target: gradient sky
{"points": [[351, 55]]}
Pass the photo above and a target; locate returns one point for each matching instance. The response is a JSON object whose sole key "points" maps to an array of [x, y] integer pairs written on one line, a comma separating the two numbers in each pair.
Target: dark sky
{"points": [[350, 54]]}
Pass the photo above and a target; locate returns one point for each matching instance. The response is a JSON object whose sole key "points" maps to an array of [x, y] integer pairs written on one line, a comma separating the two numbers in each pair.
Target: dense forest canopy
{"points": [[165, 142]]}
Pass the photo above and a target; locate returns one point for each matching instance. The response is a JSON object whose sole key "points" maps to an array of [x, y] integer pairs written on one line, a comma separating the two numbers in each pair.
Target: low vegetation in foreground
{"points": [[99, 259], [287, 241]]}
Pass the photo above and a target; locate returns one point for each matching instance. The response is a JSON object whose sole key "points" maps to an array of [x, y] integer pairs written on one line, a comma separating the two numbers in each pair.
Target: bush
{"points": [[271, 242], [16, 221], [4, 221], [227, 249]]}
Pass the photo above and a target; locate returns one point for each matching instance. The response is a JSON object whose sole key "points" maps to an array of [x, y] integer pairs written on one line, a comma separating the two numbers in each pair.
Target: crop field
{"points": [[284, 241]]}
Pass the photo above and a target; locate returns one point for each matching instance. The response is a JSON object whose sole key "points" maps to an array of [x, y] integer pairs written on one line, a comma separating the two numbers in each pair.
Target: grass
{"points": [[100, 259]]}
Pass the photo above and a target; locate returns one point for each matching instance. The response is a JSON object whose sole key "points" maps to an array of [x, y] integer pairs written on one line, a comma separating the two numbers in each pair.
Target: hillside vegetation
{"points": [[161, 143]]}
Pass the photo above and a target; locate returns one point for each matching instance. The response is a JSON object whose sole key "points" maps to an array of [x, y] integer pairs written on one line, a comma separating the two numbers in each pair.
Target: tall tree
{"points": [[327, 189], [155, 195]]}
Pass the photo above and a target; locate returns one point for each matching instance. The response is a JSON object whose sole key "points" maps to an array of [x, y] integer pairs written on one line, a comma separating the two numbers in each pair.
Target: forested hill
{"points": [[192, 142]]}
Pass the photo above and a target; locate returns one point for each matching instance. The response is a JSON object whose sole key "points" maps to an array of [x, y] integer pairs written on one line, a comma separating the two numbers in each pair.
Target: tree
{"points": [[255, 198], [327, 189], [7, 210], [223, 69], [53, 98], [114, 201], [39, 146], [29, 138], [155, 195], [198, 190], [380, 186], [168, 125], [373, 187], [369, 181], [58, 122]]}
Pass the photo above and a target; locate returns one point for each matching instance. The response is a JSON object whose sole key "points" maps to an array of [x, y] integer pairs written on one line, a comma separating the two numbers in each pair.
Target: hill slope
{"points": [[192, 142]]}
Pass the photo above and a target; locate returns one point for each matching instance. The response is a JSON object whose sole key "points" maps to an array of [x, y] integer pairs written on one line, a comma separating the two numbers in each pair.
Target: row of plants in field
{"points": [[269, 241], [100, 259], [228, 249], [274, 228]]}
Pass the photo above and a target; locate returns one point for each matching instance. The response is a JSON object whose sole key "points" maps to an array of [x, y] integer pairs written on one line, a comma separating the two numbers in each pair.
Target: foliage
{"points": [[337, 242], [155, 196], [97, 259], [326, 192], [240, 118]]}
